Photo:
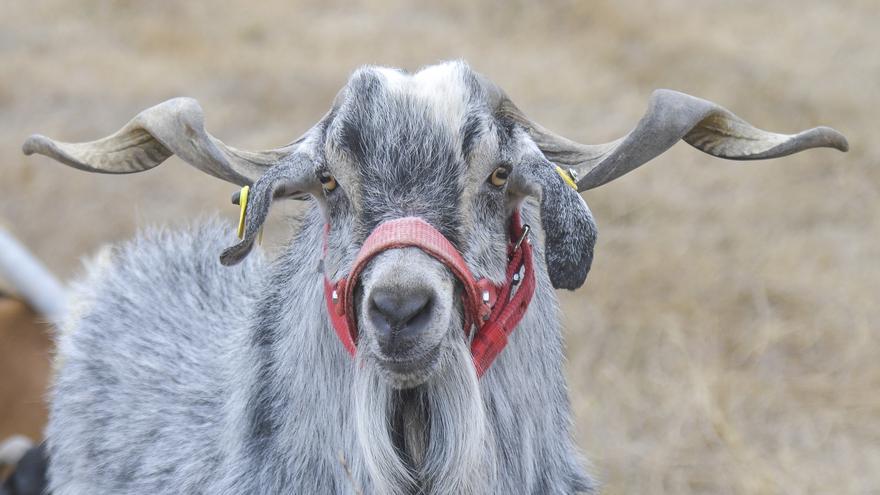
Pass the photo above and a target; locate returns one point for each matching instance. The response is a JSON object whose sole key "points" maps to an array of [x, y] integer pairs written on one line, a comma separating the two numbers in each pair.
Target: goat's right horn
{"points": [[671, 116], [175, 127]]}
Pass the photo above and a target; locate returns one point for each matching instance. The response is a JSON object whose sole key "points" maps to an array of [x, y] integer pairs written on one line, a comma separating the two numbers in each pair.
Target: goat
{"points": [[180, 375], [24, 373]]}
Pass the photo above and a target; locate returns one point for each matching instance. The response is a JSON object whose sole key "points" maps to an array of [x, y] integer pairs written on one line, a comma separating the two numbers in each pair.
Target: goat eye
{"points": [[499, 176], [328, 182]]}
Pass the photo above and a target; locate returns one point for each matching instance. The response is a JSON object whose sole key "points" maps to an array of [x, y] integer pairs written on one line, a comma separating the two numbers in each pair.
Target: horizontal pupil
{"points": [[325, 178], [501, 173]]}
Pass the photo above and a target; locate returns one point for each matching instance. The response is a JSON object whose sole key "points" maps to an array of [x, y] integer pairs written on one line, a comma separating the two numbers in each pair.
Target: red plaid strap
{"points": [[491, 338]]}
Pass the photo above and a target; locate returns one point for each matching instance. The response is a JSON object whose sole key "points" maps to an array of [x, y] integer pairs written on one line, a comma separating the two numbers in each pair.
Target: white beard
{"points": [[447, 445]]}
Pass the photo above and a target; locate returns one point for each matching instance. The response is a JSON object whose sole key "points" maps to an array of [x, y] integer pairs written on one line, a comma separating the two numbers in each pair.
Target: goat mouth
{"points": [[409, 364], [409, 371]]}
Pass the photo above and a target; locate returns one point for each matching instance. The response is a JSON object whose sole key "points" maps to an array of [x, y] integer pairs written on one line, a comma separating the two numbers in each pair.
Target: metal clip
{"points": [[335, 297], [525, 235]]}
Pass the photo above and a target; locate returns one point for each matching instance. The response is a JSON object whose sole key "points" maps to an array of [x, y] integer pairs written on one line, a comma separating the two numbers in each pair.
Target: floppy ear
{"points": [[291, 178], [569, 229]]}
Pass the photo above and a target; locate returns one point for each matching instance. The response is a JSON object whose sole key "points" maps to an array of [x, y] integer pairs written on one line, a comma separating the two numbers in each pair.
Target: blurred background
{"points": [[727, 339]]}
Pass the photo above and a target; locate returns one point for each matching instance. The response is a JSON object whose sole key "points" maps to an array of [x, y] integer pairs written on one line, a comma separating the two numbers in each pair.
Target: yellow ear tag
{"points": [[567, 177], [242, 202]]}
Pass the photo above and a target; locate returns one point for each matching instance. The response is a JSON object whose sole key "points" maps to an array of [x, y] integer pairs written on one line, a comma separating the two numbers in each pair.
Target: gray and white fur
{"points": [[177, 374]]}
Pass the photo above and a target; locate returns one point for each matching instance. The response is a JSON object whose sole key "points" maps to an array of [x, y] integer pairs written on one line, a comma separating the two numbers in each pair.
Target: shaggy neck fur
{"points": [[316, 421]]}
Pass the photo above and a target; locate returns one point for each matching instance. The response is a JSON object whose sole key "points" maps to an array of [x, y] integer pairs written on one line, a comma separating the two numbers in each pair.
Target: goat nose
{"points": [[399, 315]]}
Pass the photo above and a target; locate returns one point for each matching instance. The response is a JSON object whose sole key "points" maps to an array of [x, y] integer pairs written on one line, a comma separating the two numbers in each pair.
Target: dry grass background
{"points": [[727, 339]]}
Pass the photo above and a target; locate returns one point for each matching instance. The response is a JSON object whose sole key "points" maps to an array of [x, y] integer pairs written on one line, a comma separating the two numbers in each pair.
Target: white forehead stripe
{"points": [[441, 88]]}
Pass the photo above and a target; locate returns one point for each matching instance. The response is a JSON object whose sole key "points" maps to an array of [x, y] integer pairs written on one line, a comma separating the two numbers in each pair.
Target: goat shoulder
{"points": [[137, 405]]}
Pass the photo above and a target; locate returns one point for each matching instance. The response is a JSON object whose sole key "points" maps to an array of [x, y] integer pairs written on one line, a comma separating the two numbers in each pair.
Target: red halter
{"points": [[494, 310]]}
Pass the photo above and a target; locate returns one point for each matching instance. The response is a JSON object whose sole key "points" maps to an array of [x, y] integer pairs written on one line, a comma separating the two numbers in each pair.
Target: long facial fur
{"points": [[429, 439]]}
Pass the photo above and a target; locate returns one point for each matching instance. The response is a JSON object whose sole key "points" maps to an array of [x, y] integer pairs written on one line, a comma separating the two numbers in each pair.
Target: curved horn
{"points": [[670, 116], [176, 126]]}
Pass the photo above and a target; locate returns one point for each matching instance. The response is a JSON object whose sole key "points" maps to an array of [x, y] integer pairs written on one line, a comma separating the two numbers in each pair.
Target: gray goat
{"points": [[179, 375]]}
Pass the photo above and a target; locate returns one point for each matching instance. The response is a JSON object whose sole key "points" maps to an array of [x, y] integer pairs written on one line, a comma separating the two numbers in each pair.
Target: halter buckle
{"points": [[525, 235]]}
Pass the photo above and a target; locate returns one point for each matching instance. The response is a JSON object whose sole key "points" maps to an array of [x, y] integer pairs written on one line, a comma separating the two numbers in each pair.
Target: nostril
{"points": [[399, 316], [400, 308]]}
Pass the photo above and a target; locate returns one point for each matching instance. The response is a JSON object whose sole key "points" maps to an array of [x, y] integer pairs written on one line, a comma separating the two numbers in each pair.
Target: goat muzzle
{"points": [[494, 310]]}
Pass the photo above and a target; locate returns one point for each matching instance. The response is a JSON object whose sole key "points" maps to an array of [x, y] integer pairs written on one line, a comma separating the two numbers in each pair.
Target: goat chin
{"points": [[433, 438]]}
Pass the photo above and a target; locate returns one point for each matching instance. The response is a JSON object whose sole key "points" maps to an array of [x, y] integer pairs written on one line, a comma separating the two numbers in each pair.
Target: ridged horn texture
{"points": [[174, 127], [670, 116]]}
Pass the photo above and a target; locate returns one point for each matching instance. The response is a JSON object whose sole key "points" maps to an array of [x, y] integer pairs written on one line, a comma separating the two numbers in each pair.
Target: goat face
{"points": [[430, 146]]}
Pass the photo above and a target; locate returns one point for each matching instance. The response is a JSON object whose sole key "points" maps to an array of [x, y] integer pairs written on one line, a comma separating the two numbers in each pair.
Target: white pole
{"points": [[33, 282]]}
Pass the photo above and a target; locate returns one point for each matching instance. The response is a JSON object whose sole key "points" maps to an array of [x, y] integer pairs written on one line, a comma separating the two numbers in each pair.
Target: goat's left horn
{"points": [[670, 116], [176, 126]]}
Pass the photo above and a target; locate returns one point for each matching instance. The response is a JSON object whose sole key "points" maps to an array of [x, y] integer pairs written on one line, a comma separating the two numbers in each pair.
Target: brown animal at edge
{"points": [[25, 351]]}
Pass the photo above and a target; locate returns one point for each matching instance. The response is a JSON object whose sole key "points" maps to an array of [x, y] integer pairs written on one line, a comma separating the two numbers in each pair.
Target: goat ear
{"points": [[569, 229], [291, 178]]}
